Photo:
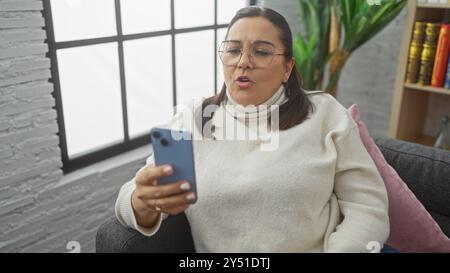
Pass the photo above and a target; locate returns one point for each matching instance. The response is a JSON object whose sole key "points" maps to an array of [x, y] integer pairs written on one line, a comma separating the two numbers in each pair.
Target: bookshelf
{"points": [[412, 102]]}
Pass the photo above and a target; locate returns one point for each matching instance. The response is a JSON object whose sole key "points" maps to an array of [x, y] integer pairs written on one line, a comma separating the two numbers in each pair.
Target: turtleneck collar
{"points": [[252, 112]]}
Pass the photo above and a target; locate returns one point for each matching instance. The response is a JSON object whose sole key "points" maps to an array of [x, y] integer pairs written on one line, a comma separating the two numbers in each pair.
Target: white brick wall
{"points": [[40, 209]]}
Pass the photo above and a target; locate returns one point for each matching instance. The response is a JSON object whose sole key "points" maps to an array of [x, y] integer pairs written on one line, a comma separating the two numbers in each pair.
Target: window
{"points": [[120, 66]]}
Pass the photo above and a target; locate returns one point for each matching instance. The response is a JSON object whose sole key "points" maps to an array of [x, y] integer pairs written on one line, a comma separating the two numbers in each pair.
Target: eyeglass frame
{"points": [[248, 50]]}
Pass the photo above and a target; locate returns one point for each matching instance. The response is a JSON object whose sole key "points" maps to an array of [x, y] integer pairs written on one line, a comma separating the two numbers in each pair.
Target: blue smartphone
{"points": [[174, 147]]}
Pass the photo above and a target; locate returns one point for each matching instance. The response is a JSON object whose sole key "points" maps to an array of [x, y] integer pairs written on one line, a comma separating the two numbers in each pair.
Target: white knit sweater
{"points": [[318, 192]]}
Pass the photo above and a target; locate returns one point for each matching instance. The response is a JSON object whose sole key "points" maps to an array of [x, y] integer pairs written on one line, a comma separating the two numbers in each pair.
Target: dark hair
{"points": [[295, 110]]}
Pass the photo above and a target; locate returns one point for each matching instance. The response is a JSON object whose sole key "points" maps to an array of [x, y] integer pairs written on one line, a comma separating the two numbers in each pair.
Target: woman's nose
{"points": [[245, 60]]}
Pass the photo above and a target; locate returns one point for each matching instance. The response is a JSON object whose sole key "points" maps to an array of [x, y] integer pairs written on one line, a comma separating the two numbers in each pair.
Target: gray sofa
{"points": [[426, 171]]}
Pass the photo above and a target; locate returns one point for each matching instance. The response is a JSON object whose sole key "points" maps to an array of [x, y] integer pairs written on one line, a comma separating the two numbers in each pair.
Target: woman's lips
{"points": [[243, 84]]}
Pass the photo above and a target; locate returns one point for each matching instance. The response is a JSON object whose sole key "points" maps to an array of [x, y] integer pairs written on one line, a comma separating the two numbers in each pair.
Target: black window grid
{"points": [[72, 164]]}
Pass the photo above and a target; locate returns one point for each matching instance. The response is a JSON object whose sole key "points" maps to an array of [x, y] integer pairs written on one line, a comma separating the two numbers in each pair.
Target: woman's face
{"points": [[263, 81]]}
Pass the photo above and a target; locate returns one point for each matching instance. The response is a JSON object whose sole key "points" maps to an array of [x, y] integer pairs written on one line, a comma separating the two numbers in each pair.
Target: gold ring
{"points": [[157, 209]]}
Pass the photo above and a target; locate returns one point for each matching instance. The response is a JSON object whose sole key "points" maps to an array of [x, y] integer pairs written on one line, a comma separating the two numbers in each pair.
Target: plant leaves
{"points": [[359, 20]]}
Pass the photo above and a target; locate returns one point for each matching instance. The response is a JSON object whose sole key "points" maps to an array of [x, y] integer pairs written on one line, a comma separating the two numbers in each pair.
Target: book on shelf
{"points": [[428, 53], [415, 52], [441, 58], [447, 77]]}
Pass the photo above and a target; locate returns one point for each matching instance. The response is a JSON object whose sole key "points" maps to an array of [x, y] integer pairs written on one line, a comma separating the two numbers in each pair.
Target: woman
{"points": [[317, 191]]}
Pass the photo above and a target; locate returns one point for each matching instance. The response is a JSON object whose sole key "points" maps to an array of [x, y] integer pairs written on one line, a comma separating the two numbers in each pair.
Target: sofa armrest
{"points": [[174, 236]]}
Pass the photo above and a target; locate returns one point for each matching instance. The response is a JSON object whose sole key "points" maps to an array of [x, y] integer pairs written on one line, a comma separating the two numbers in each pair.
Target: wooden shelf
{"points": [[424, 140], [433, 6], [431, 89], [412, 103]]}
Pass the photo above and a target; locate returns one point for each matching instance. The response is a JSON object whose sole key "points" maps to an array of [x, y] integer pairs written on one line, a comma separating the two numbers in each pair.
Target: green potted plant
{"points": [[321, 45]]}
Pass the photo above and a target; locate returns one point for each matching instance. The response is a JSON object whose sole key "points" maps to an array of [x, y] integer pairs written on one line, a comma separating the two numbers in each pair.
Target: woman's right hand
{"points": [[149, 198]]}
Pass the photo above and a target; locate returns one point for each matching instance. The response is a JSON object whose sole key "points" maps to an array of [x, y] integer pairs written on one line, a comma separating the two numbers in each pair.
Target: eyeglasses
{"points": [[261, 54]]}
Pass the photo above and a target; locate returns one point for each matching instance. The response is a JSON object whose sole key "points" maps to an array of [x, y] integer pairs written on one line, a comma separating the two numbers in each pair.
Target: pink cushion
{"points": [[412, 227]]}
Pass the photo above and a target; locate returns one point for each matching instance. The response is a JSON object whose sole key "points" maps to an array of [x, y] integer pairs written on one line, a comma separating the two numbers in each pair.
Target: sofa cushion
{"points": [[426, 171], [413, 229]]}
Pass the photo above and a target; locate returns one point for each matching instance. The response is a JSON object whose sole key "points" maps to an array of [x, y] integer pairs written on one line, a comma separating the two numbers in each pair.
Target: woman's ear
{"points": [[289, 65]]}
